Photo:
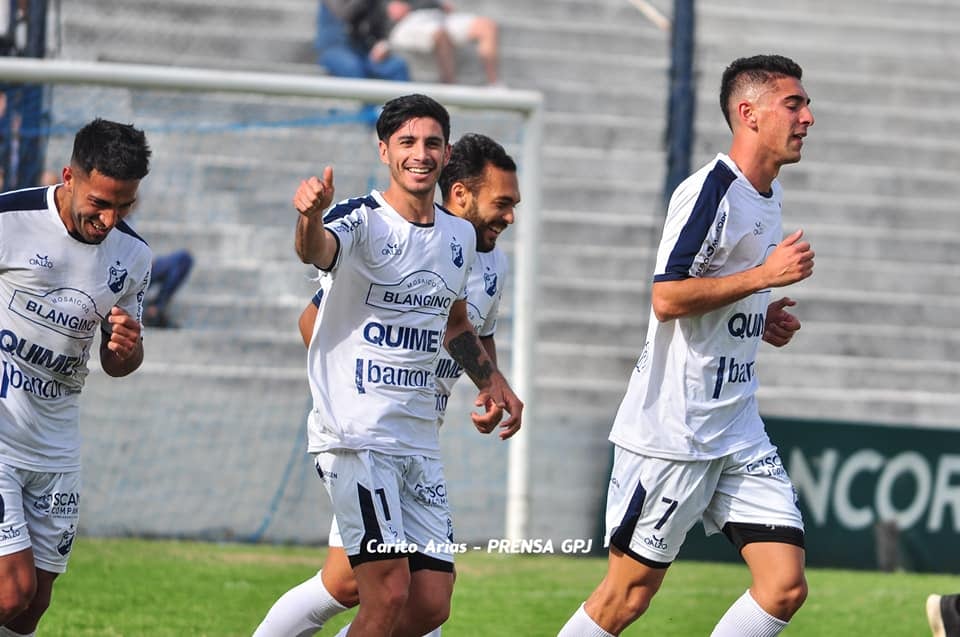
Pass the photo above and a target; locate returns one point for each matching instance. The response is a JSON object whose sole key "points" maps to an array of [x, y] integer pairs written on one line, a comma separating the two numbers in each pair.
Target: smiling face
{"points": [[782, 115], [416, 153], [91, 205], [491, 208]]}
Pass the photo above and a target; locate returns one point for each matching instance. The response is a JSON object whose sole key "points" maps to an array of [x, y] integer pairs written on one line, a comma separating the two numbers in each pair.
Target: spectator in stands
{"points": [[433, 25], [352, 41], [170, 271], [689, 439], [943, 615], [67, 254]]}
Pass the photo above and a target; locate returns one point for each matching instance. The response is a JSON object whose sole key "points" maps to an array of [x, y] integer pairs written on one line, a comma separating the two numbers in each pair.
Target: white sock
{"points": [[580, 625], [343, 632], [301, 611], [6, 632], [746, 619]]}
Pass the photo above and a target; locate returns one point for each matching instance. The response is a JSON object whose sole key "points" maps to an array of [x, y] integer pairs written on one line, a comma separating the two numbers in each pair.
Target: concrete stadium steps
{"points": [[861, 404], [867, 209]]}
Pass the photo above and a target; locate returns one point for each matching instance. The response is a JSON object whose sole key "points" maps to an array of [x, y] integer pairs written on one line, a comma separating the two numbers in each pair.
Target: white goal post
{"points": [[529, 104]]}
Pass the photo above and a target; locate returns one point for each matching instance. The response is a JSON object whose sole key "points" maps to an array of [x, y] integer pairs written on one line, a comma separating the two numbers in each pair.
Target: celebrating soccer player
{"points": [[64, 276], [689, 441], [396, 262]]}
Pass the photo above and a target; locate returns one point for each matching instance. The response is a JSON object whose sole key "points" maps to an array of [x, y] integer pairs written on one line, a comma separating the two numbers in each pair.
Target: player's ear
{"points": [[747, 114], [382, 147], [459, 192]]}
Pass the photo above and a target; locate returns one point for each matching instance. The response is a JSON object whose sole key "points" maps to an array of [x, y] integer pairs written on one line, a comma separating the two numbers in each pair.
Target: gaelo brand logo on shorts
{"points": [[65, 310], [423, 291]]}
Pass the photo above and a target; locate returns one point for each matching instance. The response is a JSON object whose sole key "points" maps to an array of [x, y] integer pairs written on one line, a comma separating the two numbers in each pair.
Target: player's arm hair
{"points": [[115, 366], [314, 243], [306, 321], [698, 295], [491, 346], [465, 347]]}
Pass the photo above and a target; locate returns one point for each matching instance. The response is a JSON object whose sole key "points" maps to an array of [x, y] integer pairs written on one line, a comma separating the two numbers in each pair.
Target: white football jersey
{"points": [[381, 325], [55, 295], [692, 392], [484, 290]]}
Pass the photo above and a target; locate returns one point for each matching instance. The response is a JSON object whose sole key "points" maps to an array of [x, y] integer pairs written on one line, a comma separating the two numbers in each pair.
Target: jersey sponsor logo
{"points": [[422, 291], [432, 494], [377, 373], [456, 253], [749, 325], [37, 355], [402, 337], [346, 224], [441, 400], [58, 504], [116, 277], [41, 261], [772, 466], [711, 248], [490, 283], [14, 378], [66, 311], [731, 371], [448, 368]]}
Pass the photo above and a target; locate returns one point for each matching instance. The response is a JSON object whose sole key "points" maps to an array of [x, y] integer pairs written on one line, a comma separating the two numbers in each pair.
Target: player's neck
{"points": [[415, 208], [758, 170]]}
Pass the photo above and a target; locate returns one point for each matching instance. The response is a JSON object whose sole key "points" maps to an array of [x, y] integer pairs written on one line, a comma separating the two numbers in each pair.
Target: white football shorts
{"points": [[416, 30], [39, 510], [652, 502], [387, 506], [334, 541]]}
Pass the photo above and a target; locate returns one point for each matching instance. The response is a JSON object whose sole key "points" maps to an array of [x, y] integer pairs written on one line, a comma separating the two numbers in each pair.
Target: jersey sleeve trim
{"points": [[690, 241]]}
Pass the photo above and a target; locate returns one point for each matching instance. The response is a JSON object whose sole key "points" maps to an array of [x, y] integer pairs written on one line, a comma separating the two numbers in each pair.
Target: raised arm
{"points": [[789, 262], [314, 243]]}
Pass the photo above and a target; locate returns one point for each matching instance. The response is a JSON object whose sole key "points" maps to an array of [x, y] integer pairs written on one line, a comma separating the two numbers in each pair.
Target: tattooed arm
{"points": [[495, 393]]}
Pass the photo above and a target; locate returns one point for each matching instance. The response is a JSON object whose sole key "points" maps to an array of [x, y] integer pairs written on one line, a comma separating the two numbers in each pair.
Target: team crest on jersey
{"points": [[490, 283], [118, 274], [66, 541], [456, 252]]}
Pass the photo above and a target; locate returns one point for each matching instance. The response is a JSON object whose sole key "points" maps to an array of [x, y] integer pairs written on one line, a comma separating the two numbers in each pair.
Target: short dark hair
{"points": [[118, 151], [468, 159], [759, 69], [406, 107]]}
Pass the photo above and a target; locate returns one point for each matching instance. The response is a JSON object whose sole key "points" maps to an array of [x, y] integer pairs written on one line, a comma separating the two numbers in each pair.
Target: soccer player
{"points": [[479, 183], [398, 269], [69, 268], [943, 615], [689, 441]]}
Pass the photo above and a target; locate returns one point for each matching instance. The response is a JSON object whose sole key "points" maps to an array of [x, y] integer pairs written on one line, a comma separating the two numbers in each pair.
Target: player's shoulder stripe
{"points": [[125, 228], [344, 208], [318, 297], [26, 199], [714, 188]]}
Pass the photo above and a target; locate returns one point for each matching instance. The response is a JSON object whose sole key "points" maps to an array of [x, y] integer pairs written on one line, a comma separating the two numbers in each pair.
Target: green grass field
{"points": [[163, 588]]}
